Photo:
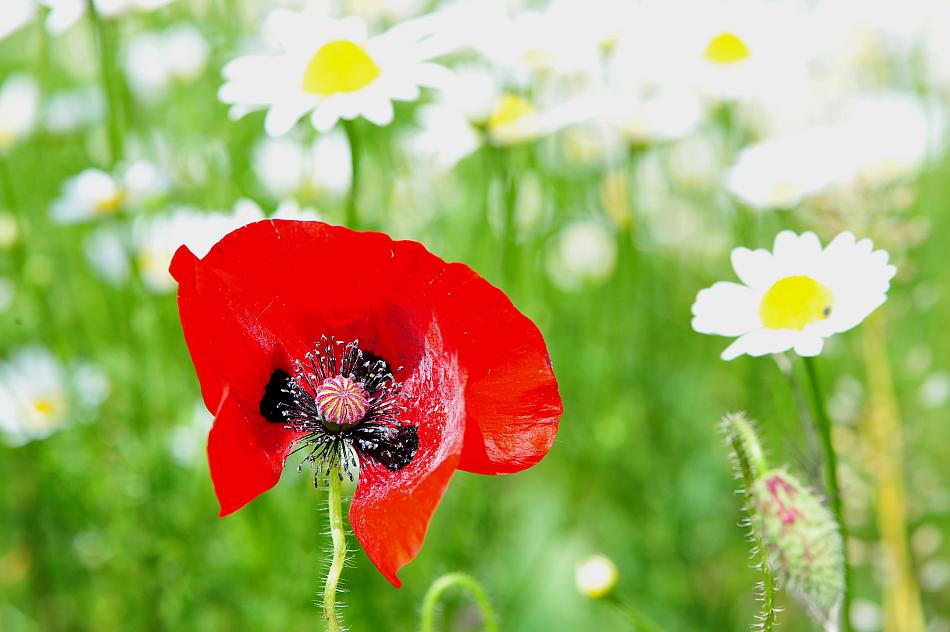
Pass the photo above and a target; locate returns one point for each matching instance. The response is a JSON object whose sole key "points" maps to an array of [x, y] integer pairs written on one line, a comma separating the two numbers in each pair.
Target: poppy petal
{"points": [[390, 511], [245, 458], [511, 395], [234, 358]]}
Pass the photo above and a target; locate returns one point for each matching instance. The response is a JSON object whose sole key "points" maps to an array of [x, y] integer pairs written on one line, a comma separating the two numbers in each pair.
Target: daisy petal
{"points": [[725, 309]]}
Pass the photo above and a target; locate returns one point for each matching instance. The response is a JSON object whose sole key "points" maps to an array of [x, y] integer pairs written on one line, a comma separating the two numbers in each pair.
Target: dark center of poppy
{"points": [[348, 402]]}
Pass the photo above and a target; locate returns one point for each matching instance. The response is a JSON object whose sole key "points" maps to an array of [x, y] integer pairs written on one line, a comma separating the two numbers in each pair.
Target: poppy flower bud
{"points": [[801, 539], [595, 576]]}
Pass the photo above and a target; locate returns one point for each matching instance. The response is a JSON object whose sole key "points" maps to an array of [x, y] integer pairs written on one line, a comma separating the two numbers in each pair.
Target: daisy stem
{"points": [[337, 533], [439, 586], [831, 476], [352, 213], [107, 56]]}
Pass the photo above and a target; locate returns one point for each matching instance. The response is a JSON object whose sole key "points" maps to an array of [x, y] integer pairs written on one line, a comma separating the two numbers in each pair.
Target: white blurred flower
{"points": [[885, 136], [935, 391], [595, 576], [94, 193], [584, 252], [333, 69], [15, 14], [107, 253], [726, 50], [63, 14], [39, 395], [154, 60], [286, 166], [794, 296], [19, 108], [781, 172], [65, 112]]}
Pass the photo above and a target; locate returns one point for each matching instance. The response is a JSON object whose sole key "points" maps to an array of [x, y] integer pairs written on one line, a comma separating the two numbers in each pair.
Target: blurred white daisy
{"points": [[286, 166], [93, 193], [795, 296], [19, 109], [154, 60], [63, 14], [155, 239], [781, 172], [595, 576], [15, 14], [39, 395], [584, 252], [332, 69], [67, 111]]}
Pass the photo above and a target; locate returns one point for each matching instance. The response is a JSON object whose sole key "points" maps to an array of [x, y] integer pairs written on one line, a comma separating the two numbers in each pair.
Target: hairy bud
{"points": [[802, 541]]}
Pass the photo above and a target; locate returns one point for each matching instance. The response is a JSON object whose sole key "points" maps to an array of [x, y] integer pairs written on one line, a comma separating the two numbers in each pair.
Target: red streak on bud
{"points": [[782, 492]]}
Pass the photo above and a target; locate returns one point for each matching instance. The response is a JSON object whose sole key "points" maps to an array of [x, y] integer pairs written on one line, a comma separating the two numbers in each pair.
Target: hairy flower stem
{"points": [[831, 480], [337, 533], [110, 87], [881, 429], [352, 211], [750, 462], [439, 586]]}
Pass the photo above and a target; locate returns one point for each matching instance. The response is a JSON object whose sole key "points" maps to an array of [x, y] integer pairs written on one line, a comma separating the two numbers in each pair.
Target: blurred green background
{"points": [[110, 523]]}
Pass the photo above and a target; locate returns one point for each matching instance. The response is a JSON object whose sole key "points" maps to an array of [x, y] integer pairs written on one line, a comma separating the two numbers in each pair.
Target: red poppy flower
{"points": [[355, 347]]}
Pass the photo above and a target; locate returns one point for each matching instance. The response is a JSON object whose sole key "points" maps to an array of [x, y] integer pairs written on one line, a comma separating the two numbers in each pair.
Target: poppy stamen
{"points": [[348, 402]]}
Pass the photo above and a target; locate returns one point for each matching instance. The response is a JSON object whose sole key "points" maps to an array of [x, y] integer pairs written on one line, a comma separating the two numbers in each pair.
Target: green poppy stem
{"points": [[750, 462], [439, 586], [831, 480], [338, 534]]}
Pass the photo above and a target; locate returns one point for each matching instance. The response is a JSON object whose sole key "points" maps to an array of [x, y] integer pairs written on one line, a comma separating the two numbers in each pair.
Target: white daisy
{"points": [[333, 69], [795, 296], [39, 395], [154, 60], [585, 252], [93, 193], [19, 109], [63, 14], [15, 14]]}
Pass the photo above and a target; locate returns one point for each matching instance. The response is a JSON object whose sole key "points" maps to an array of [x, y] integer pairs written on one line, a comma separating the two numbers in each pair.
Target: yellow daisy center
{"points": [[44, 406], [795, 302], [110, 205], [339, 66], [726, 48], [508, 110]]}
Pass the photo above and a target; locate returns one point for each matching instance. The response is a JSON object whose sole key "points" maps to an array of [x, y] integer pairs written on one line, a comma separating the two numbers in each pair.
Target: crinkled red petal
{"points": [[390, 512]]}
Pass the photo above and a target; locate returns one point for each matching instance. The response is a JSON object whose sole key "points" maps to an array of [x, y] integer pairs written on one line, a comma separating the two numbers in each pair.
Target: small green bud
{"points": [[801, 539]]}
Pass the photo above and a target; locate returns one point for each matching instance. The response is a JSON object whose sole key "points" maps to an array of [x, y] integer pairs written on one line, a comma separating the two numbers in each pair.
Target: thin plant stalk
{"points": [[338, 535], [823, 422], [462, 580], [352, 217], [881, 428], [640, 621], [107, 75]]}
